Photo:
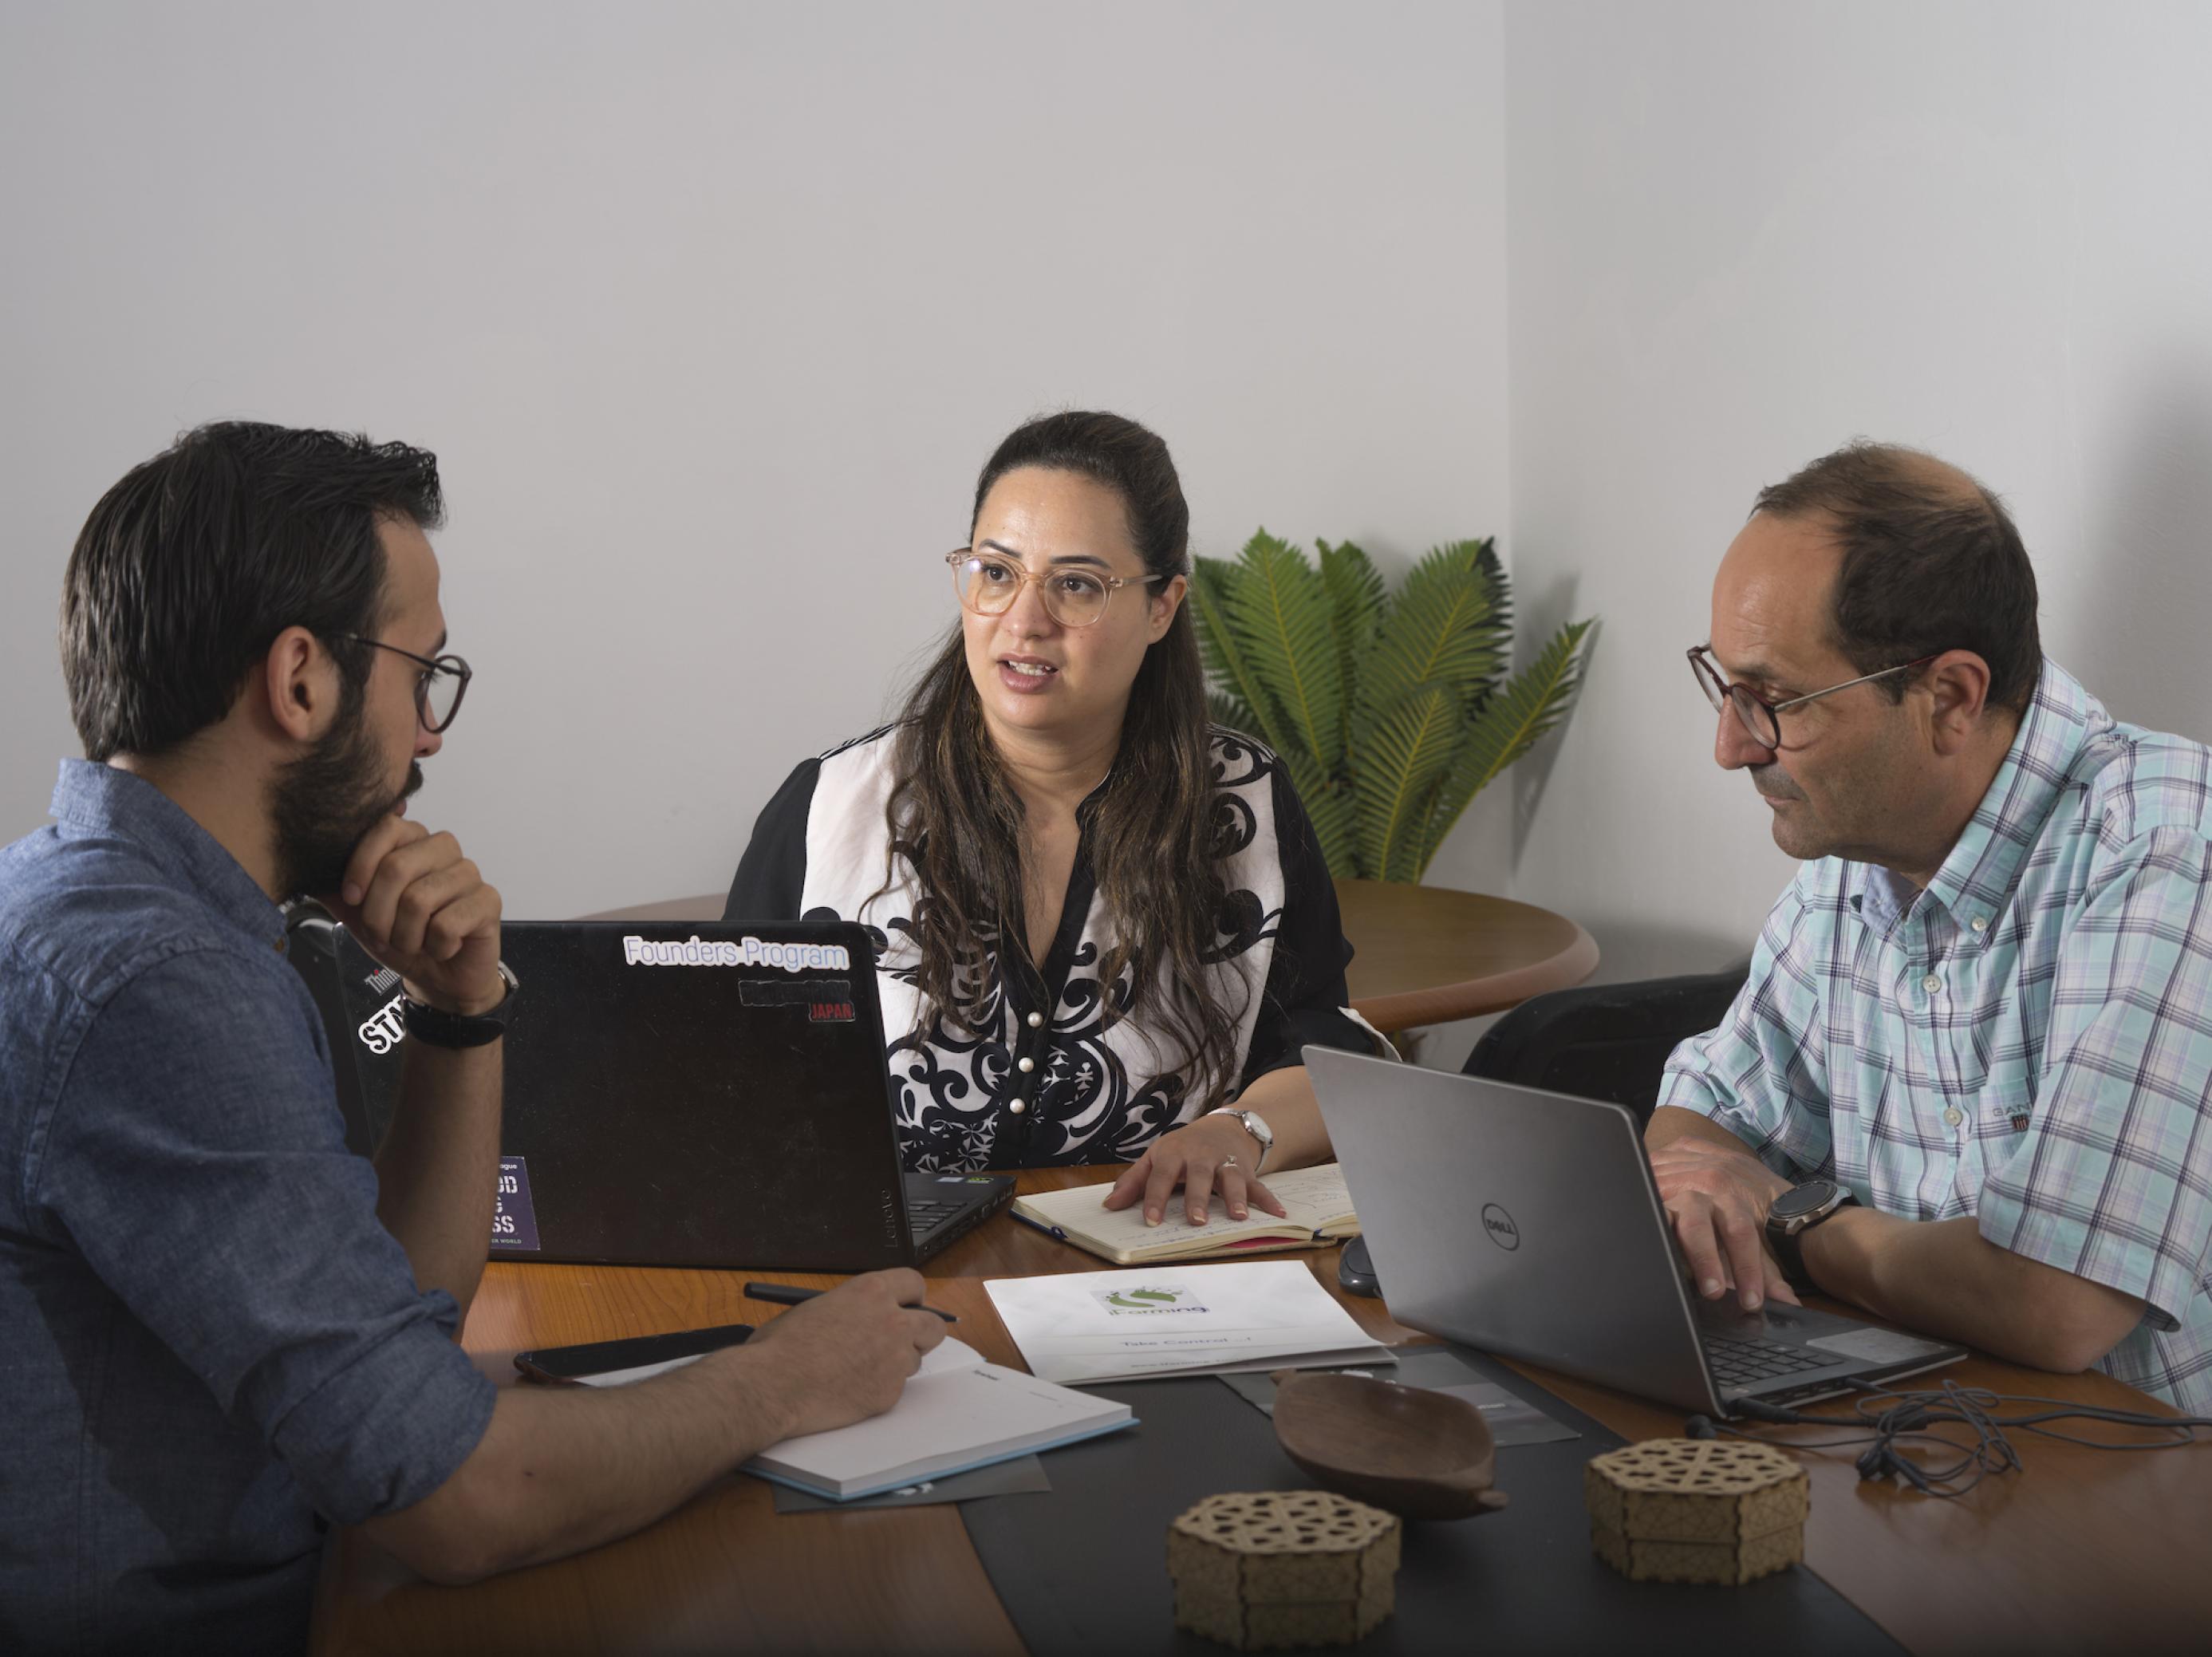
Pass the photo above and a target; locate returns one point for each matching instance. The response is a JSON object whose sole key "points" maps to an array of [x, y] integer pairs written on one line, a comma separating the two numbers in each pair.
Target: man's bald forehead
{"points": [[1924, 471], [1865, 475]]}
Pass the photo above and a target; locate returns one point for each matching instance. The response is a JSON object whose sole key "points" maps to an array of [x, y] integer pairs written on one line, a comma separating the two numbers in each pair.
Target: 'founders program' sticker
{"points": [[513, 1222]]}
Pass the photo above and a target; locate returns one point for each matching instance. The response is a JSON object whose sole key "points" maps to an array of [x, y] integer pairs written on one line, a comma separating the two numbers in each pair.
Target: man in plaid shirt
{"points": [[1966, 1085]]}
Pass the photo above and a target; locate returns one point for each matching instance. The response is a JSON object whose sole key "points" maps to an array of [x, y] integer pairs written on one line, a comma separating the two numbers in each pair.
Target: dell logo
{"points": [[1497, 1226]]}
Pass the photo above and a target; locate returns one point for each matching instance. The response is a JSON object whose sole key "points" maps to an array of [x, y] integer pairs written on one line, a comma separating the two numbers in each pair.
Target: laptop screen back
{"points": [[1520, 1223], [685, 1094]]}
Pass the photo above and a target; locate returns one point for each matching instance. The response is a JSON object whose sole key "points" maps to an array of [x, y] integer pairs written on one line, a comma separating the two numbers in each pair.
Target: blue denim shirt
{"points": [[207, 1345]]}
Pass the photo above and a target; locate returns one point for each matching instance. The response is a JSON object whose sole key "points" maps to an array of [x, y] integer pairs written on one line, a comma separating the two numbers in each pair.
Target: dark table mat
{"points": [[1083, 1569]]}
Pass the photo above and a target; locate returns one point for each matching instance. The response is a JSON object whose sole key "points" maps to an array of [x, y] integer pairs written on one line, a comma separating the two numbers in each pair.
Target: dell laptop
{"points": [[1528, 1224], [681, 1094]]}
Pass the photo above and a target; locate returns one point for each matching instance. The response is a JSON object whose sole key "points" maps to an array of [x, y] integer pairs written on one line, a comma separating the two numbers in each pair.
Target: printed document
{"points": [[1178, 1320]]}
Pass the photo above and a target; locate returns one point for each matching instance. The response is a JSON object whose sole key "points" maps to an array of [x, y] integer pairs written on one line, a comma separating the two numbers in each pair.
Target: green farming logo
{"points": [[1147, 1299]]}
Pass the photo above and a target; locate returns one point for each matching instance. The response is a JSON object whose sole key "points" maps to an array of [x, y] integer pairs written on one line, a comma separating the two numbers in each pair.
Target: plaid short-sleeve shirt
{"points": [[2029, 1040]]}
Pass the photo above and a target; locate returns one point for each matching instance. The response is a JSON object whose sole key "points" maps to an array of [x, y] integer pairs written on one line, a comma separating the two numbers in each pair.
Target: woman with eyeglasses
{"points": [[1104, 925]]}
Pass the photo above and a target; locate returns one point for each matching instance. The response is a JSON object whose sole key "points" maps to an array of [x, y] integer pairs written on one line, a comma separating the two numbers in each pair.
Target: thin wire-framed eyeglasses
{"points": [[988, 584], [1758, 715], [439, 689]]}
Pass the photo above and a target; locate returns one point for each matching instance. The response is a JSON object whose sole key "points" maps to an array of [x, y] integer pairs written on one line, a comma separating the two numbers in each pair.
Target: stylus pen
{"points": [[784, 1294]]}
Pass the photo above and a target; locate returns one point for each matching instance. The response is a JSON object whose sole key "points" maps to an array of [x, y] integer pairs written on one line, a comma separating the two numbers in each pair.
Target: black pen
{"points": [[785, 1294]]}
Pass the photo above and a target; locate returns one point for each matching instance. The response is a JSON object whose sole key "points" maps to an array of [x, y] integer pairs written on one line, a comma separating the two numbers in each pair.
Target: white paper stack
{"points": [[1178, 1320], [958, 1412]]}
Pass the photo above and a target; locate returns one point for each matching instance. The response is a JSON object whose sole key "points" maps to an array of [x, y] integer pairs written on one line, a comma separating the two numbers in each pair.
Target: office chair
{"points": [[1607, 1041]]}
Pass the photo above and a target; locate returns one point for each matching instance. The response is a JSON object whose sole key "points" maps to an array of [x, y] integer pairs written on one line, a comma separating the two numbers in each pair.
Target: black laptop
{"points": [[678, 1095]]}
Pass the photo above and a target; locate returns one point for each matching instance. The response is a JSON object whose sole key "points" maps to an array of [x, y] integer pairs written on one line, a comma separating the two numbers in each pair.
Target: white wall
{"points": [[1741, 233], [713, 311]]}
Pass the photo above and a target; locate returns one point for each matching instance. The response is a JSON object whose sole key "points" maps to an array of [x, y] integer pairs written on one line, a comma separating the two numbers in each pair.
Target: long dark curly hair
{"points": [[1157, 838]]}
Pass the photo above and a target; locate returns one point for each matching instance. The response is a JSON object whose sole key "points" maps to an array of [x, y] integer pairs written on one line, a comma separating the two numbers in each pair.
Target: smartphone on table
{"points": [[569, 1366]]}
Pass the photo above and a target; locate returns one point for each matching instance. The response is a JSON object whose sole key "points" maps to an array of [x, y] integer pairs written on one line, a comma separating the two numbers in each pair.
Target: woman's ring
{"points": [[1228, 1162]]}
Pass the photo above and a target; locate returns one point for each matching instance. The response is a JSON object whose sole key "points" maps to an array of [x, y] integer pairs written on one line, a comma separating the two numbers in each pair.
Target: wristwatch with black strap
{"points": [[436, 1027], [1796, 1212]]}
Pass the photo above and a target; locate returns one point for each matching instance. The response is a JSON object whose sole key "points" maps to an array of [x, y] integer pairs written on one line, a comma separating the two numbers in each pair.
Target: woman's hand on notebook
{"points": [[1212, 1154], [846, 1354]]}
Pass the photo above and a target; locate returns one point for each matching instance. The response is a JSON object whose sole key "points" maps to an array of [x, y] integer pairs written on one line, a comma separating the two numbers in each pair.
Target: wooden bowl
{"points": [[1417, 1454]]}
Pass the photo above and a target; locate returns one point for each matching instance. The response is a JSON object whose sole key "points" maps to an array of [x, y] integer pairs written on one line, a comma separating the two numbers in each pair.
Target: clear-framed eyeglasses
{"points": [[439, 687], [1758, 715], [988, 584]]}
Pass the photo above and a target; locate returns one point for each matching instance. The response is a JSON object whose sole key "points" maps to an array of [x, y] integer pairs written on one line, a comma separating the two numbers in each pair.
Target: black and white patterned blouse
{"points": [[1049, 1082]]}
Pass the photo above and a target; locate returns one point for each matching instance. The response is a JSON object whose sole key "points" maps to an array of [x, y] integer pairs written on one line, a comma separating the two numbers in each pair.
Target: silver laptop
{"points": [[1527, 1224]]}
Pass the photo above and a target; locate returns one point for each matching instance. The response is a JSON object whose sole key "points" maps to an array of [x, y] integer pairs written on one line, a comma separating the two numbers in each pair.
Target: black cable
{"points": [[1894, 1420]]}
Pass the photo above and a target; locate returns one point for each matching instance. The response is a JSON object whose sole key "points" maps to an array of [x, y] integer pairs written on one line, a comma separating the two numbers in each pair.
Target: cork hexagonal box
{"points": [[1697, 1510], [1272, 1569]]}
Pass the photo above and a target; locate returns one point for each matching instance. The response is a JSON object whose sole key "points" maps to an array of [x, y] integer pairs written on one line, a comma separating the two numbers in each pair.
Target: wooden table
{"points": [[1422, 955], [2075, 1553]]}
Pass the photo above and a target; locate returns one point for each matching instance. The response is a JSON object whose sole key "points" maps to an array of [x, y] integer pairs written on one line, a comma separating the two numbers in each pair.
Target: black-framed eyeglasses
{"points": [[439, 689], [988, 585], [1758, 715]]}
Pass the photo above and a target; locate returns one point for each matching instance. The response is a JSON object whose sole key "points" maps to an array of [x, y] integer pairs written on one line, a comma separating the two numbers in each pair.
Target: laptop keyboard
{"points": [[1749, 1363]]}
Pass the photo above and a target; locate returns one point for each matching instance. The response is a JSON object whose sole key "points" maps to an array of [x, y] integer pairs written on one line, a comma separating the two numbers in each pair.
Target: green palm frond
{"points": [[1511, 723], [1356, 605], [1496, 627], [1388, 712], [1442, 629], [1226, 708], [1404, 755], [1213, 589], [1329, 807], [1279, 610]]}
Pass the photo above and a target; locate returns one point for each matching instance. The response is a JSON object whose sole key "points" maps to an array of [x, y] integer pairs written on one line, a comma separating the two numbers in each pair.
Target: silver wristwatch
{"points": [[1253, 1125]]}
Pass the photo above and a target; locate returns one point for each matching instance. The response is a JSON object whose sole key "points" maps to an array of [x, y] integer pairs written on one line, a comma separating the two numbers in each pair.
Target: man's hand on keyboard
{"points": [[1716, 1200]]}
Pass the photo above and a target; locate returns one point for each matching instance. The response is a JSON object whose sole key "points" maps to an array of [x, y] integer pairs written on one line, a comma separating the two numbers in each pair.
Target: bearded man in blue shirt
{"points": [[219, 1330], [1965, 1084]]}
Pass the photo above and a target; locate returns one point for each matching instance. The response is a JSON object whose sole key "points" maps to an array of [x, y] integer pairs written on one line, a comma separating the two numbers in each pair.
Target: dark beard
{"points": [[321, 804]]}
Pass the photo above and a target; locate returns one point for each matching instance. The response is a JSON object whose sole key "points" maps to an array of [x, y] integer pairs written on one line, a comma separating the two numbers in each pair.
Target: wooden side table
{"points": [[1426, 954]]}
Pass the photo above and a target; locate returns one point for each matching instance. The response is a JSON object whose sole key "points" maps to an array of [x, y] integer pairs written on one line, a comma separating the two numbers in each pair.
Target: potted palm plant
{"points": [[1392, 710]]}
